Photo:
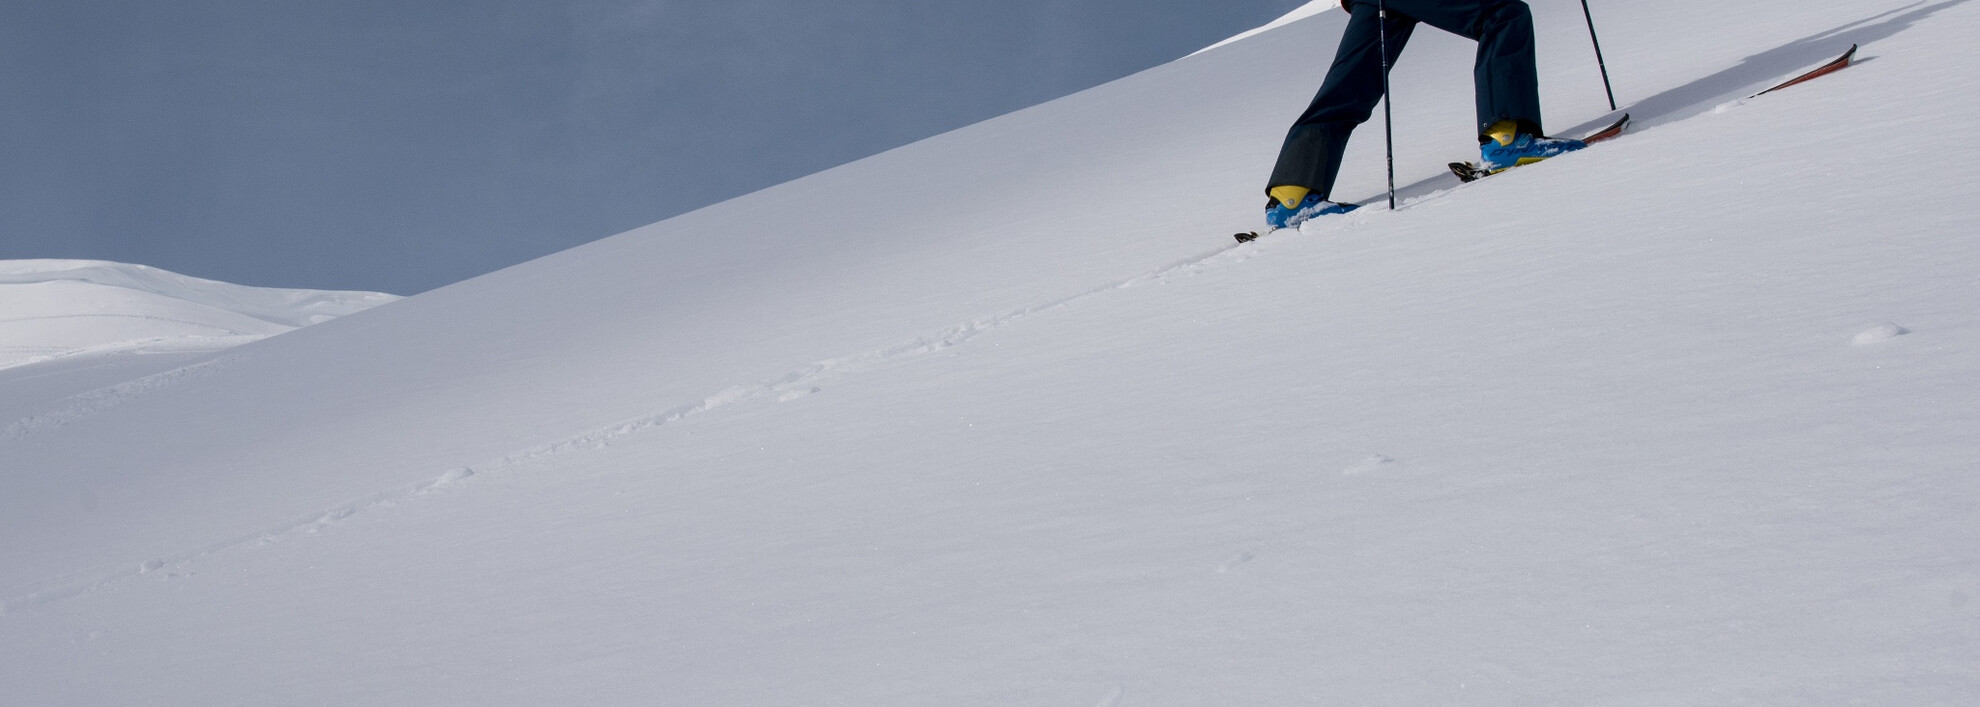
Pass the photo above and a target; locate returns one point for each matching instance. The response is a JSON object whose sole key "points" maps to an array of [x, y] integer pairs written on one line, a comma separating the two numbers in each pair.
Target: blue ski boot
{"points": [[1505, 149], [1277, 215]]}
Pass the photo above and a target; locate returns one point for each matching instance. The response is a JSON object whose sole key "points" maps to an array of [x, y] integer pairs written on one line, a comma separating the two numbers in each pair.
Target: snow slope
{"points": [[1690, 418]]}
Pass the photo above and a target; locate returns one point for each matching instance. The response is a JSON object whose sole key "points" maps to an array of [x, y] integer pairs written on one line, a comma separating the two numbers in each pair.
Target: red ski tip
{"points": [[1839, 64]]}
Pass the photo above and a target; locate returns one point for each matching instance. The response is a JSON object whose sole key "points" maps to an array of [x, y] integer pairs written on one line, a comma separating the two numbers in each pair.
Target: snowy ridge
{"points": [[1310, 9], [283, 307], [61, 308]]}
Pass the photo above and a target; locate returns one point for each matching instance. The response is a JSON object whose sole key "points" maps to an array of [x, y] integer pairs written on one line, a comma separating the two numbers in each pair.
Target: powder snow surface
{"points": [[1690, 418]]}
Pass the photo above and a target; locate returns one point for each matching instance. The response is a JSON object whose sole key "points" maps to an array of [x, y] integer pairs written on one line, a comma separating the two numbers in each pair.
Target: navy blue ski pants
{"points": [[1507, 80]]}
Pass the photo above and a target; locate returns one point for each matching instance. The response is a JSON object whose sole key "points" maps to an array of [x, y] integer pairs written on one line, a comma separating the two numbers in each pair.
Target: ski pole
{"points": [[1598, 54], [1388, 119]]}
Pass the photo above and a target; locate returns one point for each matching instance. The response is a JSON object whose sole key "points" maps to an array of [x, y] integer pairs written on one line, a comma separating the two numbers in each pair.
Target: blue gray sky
{"points": [[400, 146]]}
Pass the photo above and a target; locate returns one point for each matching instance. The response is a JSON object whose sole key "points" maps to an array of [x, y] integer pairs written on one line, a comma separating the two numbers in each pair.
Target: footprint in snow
{"points": [[1113, 698], [1238, 559], [1879, 334], [328, 519], [453, 476], [1374, 462]]}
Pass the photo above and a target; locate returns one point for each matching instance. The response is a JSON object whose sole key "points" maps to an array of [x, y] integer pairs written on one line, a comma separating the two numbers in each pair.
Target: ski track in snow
{"points": [[139, 317], [791, 386], [156, 344], [101, 399]]}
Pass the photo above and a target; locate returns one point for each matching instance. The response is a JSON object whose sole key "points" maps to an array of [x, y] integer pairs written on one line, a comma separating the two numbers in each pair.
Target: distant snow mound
{"points": [[1308, 10], [59, 308]]}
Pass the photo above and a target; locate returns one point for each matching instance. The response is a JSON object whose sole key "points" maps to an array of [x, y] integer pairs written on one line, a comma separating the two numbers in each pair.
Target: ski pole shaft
{"points": [[1604, 66], [1388, 118]]}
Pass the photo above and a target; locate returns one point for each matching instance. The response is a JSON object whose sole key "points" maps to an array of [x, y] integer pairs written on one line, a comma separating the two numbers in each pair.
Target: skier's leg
{"points": [[1507, 79], [1505, 72], [1311, 156]]}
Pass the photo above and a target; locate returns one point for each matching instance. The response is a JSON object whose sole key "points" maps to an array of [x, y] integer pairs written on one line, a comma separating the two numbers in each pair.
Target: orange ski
{"points": [[1841, 62]]}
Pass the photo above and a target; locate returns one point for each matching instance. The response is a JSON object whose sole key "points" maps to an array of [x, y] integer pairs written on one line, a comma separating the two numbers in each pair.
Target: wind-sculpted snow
{"points": [[283, 307], [60, 308]]}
